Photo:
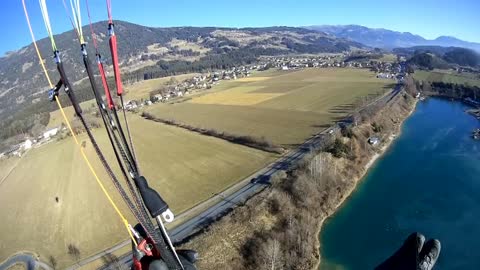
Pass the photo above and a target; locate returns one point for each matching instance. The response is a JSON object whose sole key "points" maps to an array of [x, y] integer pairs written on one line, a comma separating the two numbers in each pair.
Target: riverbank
{"points": [[427, 181], [384, 147], [475, 113], [279, 227]]}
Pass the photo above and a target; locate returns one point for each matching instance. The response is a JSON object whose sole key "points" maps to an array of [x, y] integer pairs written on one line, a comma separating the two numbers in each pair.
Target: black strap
{"points": [[116, 145], [78, 111], [151, 201]]}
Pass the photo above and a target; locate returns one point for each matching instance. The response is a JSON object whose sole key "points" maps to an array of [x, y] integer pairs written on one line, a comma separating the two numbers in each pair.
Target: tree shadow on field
{"points": [[340, 119], [109, 258], [320, 126], [342, 109], [73, 251], [113, 262], [389, 86]]}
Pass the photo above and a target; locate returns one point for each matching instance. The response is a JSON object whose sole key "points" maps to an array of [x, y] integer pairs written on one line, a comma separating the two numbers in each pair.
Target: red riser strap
{"points": [[116, 68], [105, 86]]}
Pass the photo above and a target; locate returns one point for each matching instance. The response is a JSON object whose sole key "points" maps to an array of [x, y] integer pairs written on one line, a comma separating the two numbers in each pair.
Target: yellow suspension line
{"points": [[122, 217], [75, 4]]}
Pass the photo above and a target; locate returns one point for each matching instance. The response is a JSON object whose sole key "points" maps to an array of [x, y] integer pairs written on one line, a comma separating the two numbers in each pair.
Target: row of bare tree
{"points": [[250, 141]]}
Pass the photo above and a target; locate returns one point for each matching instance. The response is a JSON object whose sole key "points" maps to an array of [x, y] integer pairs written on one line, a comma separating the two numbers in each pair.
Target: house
{"points": [[49, 133], [27, 144], [130, 105], [13, 151], [383, 76], [373, 140]]}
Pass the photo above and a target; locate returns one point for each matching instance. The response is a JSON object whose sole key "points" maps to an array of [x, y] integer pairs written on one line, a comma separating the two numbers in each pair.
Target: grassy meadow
{"points": [[56, 118], [6, 166], [388, 58], [142, 89], [186, 168], [447, 77], [284, 107]]}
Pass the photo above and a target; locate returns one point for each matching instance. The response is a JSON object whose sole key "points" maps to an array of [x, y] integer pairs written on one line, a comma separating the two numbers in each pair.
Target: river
{"points": [[428, 181]]}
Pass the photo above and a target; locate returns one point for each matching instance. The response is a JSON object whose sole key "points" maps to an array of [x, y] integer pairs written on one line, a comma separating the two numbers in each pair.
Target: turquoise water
{"points": [[428, 181]]}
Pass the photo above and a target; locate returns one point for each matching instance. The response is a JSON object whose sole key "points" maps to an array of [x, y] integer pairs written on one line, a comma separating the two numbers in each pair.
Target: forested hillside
{"points": [[431, 57]]}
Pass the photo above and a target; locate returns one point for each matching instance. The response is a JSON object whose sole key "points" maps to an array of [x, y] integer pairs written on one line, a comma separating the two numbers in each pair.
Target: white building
{"points": [[373, 140], [49, 133], [27, 144]]}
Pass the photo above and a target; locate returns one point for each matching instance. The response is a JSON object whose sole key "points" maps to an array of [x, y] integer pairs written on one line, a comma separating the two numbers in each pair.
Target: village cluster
{"points": [[174, 89], [383, 70], [20, 148]]}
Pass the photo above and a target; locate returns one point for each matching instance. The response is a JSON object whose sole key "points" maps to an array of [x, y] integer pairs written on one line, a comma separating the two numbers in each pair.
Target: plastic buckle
{"points": [[168, 216], [52, 94], [145, 248], [111, 31]]}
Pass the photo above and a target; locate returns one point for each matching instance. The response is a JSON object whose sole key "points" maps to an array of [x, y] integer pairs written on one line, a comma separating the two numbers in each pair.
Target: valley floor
{"points": [[185, 167], [279, 228]]}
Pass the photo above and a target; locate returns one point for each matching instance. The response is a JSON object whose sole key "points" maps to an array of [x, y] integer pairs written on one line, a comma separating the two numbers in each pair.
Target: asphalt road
{"points": [[27, 259], [228, 200], [202, 220]]}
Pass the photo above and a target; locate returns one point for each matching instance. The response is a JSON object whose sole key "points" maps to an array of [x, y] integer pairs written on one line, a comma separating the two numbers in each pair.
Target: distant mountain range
{"points": [[388, 39]]}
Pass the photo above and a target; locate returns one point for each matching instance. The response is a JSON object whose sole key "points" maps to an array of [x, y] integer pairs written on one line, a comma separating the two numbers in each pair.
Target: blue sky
{"points": [[429, 18]]}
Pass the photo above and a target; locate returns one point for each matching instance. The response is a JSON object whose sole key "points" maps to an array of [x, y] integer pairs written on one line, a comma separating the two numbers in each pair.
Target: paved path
{"points": [[13, 168], [28, 259], [230, 201]]}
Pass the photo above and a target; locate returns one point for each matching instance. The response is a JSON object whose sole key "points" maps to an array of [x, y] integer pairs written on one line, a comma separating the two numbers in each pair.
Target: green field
{"points": [[388, 58], [142, 89], [6, 166], [56, 117], [186, 168], [447, 77], [285, 108]]}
